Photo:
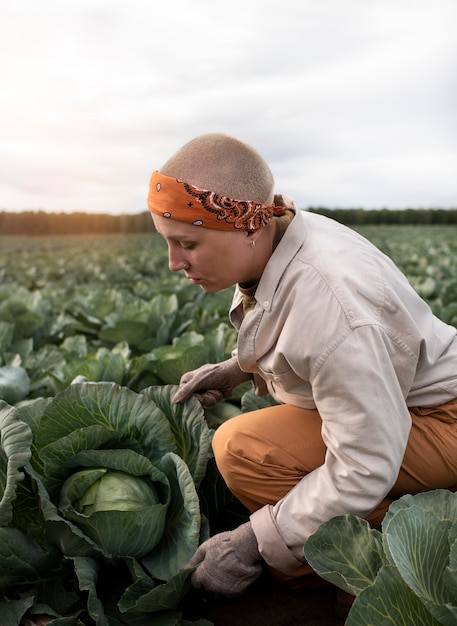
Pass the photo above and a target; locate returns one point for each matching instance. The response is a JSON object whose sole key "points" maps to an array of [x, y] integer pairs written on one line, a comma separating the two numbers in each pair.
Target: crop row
{"points": [[108, 308]]}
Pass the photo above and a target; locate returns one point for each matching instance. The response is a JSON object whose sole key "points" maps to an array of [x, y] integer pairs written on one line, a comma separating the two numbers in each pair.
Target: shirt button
{"points": [[266, 304]]}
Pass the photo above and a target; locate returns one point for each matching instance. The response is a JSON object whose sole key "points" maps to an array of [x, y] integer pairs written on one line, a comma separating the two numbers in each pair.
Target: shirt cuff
{"points": [[271, 545]]}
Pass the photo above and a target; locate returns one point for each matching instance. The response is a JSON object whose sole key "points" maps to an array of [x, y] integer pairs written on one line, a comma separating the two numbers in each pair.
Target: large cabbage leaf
{"points": [[389, 601], [405, 575], [420, 532], [352, 556], [15, 442], [188, 426]]}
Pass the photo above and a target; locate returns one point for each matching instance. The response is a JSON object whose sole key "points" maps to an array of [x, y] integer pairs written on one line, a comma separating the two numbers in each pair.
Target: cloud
{"points": [[352, 104]]}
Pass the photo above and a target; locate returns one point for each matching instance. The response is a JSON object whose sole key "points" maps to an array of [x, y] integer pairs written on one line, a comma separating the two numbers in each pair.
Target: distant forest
{"points": [[41, 223]]}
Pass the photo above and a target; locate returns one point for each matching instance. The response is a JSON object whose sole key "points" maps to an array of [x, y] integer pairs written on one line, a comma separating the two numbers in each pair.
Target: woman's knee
{"points": [[225, 444]]}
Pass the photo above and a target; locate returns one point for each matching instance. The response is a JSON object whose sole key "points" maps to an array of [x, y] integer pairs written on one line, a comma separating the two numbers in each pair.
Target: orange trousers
{"points": [[263, 454]]}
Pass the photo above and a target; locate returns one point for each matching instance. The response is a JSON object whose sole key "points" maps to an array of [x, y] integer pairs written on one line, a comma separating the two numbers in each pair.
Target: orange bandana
{"points": [[181, 201]]}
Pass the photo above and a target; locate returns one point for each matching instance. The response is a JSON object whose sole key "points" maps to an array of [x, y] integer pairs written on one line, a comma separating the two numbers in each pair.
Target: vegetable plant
{"points": [[107, 310], [404, 575], [99, 508], [14, 383]]}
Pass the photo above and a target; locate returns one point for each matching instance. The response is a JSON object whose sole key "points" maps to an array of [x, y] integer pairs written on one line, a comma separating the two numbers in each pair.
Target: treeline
{"points": [[360, 217], [41, 223]]}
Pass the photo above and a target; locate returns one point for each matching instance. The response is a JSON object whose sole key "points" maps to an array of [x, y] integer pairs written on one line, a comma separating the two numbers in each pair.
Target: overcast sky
{"points": [[353, 103]]}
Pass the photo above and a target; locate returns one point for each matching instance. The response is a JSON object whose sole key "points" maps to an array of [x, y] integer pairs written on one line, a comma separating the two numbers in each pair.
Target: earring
{"points": [[252, 244]]}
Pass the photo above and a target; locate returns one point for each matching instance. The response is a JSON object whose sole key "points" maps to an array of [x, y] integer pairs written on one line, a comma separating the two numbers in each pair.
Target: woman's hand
{"points": [[228, 562], [211, 383]]}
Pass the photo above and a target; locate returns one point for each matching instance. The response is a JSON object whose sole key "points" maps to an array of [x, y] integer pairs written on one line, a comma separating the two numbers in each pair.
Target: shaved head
{"points": [[225, 165]]}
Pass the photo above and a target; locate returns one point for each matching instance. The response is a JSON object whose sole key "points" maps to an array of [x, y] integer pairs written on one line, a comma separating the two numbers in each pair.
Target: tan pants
{"points": [[264, 453]]}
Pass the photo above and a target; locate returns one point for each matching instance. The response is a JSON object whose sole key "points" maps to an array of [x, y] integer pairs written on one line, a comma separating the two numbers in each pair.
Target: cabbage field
{"points": [[109, 308], [95, 333]]}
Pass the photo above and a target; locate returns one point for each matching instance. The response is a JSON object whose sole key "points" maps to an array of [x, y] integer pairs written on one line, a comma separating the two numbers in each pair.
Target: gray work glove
{"points": [[211, 383], [227, 563]]}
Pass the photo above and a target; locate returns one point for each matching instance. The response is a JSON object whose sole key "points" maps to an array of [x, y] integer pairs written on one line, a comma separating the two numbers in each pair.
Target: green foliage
{"points": [[14, 383], [101, 483], [107, 310], [405, 575]]}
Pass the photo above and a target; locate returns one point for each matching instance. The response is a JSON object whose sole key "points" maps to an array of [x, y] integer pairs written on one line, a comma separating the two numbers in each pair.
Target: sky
{"points": [[353, 103]]}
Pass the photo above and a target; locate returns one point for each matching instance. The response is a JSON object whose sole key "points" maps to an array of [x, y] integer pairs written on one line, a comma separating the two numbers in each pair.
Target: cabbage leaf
{"points": [[108, 480], [405, 575]]}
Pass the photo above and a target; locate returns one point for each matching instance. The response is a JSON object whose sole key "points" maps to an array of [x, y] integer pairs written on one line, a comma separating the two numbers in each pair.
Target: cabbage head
{"points": [[101, 498], [116, 475], [14, 383], [114, 491]]}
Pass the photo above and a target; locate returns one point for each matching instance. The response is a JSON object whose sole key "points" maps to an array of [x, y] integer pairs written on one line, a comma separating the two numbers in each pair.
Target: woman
{"points": [[364, 374]]}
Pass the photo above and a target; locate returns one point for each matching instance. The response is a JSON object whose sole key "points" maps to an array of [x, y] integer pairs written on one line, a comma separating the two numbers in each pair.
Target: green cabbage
{"points": [[115, 491], [14, 383], [110, 493]]}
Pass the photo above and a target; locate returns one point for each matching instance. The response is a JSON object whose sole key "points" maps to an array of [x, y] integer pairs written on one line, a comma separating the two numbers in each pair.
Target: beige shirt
{"points": [[336, 326]]}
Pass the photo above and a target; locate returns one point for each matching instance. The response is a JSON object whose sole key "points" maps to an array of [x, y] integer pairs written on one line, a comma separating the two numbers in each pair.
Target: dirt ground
{"points": [[264, 604], [267, 604]]}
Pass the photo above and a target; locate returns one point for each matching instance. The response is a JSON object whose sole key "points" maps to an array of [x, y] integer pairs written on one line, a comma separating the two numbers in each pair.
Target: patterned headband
{"points": [[181, 201]]}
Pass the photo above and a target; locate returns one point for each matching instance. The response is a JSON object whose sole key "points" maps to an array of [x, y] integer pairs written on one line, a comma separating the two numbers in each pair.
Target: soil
{"points": [[267, 604], [263, 604]]}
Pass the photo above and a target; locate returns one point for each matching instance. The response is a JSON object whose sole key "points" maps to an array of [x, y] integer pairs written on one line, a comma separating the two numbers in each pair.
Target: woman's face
{"points": [[212, 259]]}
